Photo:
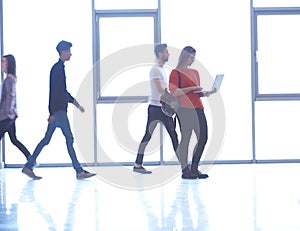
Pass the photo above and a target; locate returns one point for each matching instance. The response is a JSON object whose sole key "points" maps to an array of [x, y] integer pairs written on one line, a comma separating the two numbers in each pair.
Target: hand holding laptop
{"points": [[216, 86], [205, 93]]}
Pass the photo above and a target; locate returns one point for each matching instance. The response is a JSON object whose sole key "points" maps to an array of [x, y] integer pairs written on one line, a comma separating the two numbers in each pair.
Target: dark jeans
{"points": [[192, 120], [9, 126], [60, 120], [155, 115]]}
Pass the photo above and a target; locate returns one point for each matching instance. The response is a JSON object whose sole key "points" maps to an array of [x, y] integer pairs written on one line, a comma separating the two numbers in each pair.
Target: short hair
{"points": [[63, 46], [159, 48], [11, 64]]}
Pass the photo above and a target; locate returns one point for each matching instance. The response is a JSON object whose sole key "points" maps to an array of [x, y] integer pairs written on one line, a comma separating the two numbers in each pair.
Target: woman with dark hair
{"points": [[184, 83], [8, 104]]}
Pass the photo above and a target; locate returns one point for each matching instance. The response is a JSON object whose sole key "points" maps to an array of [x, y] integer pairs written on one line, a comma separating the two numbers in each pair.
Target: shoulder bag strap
{"points": [[179, 79], [179, 86]]}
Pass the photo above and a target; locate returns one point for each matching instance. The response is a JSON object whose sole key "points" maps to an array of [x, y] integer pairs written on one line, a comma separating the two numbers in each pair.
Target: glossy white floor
{"points": [[264, 197]]}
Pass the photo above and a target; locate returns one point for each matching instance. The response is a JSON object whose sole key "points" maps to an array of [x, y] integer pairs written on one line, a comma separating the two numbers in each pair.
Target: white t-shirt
{"points": [[157, 72]]}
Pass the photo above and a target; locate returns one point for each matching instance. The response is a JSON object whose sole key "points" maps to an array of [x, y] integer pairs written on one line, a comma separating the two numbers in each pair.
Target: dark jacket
{"points": [[59, 97]]}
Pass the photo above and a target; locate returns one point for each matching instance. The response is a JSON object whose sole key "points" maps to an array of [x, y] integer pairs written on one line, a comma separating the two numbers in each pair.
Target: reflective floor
{"points": [[261, 197]]}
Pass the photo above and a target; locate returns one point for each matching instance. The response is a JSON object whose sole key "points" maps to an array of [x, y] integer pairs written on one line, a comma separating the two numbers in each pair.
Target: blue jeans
{"points": [[60, 120]]}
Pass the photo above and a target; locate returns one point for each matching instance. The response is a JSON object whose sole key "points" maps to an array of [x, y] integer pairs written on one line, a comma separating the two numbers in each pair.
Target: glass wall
{"points": [[219, 32], [276, 82]]}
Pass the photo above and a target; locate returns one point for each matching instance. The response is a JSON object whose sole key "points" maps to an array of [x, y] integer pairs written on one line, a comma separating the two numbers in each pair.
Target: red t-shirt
{"points": [[189, 78]]}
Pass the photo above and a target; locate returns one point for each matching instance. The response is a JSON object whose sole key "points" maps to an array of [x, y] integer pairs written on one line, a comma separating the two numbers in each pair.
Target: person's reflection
{"points": [[28, 201], [8, 212], [76, 202], [187, 209], [8, 217], [19, 214]]}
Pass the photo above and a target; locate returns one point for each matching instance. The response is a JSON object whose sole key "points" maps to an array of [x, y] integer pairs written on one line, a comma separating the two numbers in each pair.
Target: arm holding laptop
{"points": [[206, 93], [183, 91], [216, 86]]}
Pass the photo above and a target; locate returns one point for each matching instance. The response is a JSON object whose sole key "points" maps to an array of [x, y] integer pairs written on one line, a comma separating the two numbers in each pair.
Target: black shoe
{"points": [[187, 174], [200, 175], [195, 171], [141, 170]]}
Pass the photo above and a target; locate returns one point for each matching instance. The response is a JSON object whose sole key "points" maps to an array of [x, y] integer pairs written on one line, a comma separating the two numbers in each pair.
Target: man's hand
{"points": [[50, 119], [81, 109]]}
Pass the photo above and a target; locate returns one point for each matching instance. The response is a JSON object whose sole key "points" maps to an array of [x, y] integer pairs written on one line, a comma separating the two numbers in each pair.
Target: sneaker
{"points": [[84, 174], [141, 170], [30, 173]]}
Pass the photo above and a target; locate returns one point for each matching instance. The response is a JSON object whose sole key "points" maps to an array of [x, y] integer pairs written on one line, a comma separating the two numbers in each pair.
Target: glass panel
{"points": [[277, 126], [276, 3], [278, 53], [128, 4], [35, 54], [123, 65], [133, 81], [117, 33], [120, 129]]}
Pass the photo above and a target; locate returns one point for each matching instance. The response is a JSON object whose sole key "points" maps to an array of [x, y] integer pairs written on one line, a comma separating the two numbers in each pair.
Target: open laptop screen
{"points": [[217, 82]]}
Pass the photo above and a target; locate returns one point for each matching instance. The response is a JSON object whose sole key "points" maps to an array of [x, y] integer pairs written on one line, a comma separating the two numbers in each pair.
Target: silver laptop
{"points": [[216, 85]]}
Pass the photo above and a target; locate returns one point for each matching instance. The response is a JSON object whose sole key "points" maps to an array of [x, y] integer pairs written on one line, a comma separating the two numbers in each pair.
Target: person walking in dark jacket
{"points": [[59, 98]]}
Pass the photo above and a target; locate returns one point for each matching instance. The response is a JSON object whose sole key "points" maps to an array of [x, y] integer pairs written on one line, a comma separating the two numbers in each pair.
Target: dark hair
{"points": [[159, 48], [63, 46], [11, 64], [189, 49], [185, 53]]}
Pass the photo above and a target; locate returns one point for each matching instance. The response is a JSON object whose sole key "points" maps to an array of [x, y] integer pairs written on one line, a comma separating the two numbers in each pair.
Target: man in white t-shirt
{"points": [[158, 82]]}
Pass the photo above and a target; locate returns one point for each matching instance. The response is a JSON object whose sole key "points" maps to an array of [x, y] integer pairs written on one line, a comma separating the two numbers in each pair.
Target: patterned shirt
{"points": [[8, 104]]}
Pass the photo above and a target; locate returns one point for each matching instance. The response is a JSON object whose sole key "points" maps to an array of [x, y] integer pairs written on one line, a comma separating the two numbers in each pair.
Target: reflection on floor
{"points": [[264, 197]]}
